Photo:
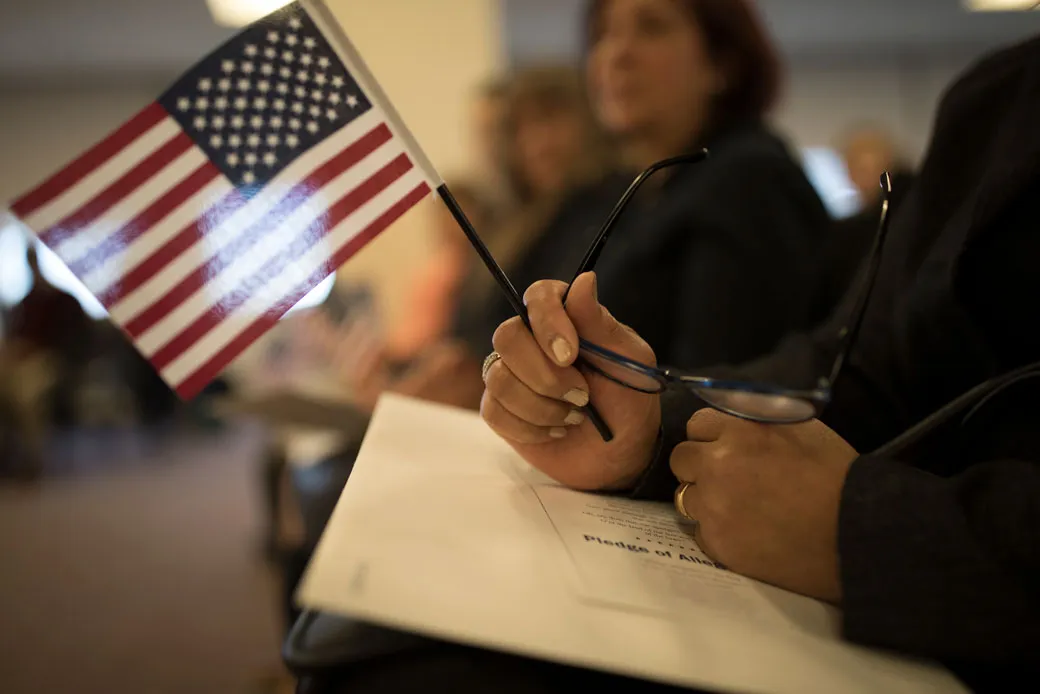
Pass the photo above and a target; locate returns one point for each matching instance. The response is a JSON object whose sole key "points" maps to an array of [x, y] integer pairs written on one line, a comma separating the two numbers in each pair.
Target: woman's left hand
{"points": [[766, 498]]}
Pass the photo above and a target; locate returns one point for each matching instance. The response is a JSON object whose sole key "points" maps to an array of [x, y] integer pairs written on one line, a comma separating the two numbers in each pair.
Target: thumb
{"points": [[595, 323]]}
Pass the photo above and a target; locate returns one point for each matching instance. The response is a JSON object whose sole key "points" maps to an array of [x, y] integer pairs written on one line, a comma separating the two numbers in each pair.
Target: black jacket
{"points": [[717, 262], [939, 533]]}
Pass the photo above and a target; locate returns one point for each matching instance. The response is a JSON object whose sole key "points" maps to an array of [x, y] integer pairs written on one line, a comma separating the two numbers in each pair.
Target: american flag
{"points": [[216, 208]]}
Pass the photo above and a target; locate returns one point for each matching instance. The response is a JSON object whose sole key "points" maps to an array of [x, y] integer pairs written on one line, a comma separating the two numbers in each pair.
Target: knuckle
{"points": [[505, 335]]}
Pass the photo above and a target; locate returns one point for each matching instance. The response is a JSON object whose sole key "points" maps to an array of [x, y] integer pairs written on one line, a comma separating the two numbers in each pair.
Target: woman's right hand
{"points": [[533, 393]]}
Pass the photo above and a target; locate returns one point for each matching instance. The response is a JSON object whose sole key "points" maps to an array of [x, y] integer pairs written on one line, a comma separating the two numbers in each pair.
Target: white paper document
{"points": [[444, 531]]}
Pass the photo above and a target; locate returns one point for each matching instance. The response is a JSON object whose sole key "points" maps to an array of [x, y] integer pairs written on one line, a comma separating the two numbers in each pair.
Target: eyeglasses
{"points": [[754, 401]]}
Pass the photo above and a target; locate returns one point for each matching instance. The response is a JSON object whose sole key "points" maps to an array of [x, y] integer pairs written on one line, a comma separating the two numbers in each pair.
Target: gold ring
{"points": [[680, 501], [489, 361]]}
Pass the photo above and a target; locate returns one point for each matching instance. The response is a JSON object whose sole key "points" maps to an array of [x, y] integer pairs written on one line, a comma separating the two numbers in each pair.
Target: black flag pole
{"points": [[515, 300]]}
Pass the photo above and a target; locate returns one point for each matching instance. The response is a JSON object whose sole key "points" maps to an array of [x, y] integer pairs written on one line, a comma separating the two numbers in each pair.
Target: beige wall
{"points": [[427, 54]]}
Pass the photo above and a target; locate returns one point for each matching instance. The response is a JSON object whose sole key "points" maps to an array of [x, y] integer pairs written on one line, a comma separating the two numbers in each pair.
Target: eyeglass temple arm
{"points": [[847, 337], [592, 255], [515, 300]]}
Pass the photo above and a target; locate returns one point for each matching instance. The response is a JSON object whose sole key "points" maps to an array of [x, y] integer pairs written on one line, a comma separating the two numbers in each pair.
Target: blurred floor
{"points": [[134, 566]]}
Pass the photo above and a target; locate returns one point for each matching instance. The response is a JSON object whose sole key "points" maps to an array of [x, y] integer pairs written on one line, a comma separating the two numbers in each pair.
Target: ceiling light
{"points": [[239, 13], [1001, 5]]}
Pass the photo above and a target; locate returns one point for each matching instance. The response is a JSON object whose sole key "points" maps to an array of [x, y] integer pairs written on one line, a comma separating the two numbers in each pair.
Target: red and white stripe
{"points": [[191, 270]]}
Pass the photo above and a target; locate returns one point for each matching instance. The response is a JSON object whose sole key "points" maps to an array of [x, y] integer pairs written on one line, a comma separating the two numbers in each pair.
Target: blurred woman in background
{"points": [[716, 262], [553, 153]]}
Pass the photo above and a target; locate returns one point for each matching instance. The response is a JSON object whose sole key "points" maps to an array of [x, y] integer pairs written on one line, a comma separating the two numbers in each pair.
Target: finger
{"points": [[687, 460], [596, 324], [518, 398], [512, 428], [529, 363], [706, 425], [551, 325]]}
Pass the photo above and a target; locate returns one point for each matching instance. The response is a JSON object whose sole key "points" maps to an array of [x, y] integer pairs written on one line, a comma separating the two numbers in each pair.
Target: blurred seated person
{"points": [[730, 244], [554, 151], [51, 323], [868, 151]]}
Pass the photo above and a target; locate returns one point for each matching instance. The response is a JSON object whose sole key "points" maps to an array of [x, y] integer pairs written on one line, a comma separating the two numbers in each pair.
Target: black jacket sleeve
{"points": [[947, 568]]}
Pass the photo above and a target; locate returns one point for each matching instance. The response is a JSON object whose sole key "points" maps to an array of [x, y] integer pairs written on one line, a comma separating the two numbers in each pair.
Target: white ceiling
{"points": [[126, 40]]}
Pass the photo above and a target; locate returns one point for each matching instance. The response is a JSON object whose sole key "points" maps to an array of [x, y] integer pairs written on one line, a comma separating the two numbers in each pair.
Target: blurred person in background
{"points": [[47, 342], [868, 150], [553, 153], [727, 244], [487, 113]]}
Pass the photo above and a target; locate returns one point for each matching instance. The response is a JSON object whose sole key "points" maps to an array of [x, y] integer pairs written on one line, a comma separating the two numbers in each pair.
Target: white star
{"points": [[294, 123], [272, 36], [295, 23], [259, 103], [270, 158], [320, 79], [201, 104], [309, 42], [257, 122], [234, 141], [216, 141], [275, 123], [253, 140], [300, 92], [306, 59], [200, 123], [287, 56], [331, 114], [250, 159], [228, 66], [312, 127], [297, 107], [241, 103], [263, 86], [183, 103], [282, 88], [224, 84], [273, 140], [220, 103], [334, 98], [352, 101], [337, 81], [270, 52], [250, 50], [278, 104], [232, 160], [315, 111], [317, 95], [205, 84], [302, 75], [248, 67], [244, 85], [291, 40], [267, 69], [292, 140], [285, 73], [217, 123], [248, 176], [237, 122], [323, 62]]}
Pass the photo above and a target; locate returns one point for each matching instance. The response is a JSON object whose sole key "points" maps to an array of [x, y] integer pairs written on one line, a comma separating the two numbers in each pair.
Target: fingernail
{"points": [[574, 418], [557, 432], [562, 350], [578, 398]]}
